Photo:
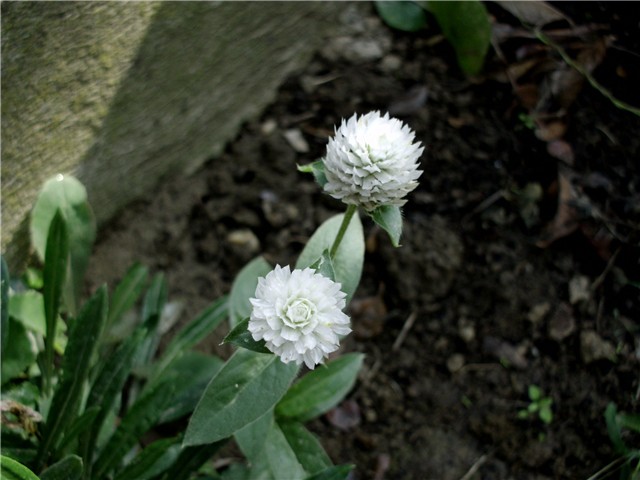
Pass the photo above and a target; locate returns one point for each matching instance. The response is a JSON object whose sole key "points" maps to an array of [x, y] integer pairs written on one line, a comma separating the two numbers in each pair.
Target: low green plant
{"points": [[79, 392], [85, 386], [539, 406], [627, 465], [465, 25]]}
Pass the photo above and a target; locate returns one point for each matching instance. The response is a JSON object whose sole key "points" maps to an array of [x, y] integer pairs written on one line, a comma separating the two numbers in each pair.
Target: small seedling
{"points": [[619, 424], [540, 406]]}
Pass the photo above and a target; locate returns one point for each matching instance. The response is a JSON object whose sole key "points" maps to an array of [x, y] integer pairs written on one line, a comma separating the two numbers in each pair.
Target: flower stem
{"points": [[351, 209]]}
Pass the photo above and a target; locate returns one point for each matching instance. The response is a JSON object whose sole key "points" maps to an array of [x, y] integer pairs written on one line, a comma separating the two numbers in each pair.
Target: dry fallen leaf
{"points": [[536, 13], [567, 219], [345, 416]]}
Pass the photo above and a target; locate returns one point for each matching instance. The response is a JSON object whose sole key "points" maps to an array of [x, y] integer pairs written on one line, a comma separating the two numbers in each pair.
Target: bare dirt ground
{"points": [[517, 266]]}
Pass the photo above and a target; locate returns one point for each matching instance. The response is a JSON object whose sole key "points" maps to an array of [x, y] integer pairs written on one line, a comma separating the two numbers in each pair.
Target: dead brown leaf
{"points": [[535, 13], [345, 416], [567, 218]]}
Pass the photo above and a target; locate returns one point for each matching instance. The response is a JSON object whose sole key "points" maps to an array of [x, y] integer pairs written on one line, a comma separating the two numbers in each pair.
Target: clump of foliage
{"points": [[539, 406], [465, 25], [83, 383]]}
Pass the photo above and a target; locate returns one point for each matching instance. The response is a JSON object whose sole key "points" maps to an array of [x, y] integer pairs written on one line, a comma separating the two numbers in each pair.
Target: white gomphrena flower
{"points": [[372, 161], [299, 315]]}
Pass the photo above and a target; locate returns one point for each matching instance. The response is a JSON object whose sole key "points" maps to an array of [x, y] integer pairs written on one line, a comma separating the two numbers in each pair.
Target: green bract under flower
{"points": [[372, 161], [299, 315]]}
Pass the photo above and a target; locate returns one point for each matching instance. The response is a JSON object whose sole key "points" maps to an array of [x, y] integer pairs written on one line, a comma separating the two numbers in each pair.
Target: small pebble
{"points": [[245, 239], [579, 289], [455, 362], [593, 347]]}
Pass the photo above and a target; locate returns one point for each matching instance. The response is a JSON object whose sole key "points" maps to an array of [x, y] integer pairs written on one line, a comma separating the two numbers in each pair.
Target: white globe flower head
{"points": [[299, 315], [372, 161]]}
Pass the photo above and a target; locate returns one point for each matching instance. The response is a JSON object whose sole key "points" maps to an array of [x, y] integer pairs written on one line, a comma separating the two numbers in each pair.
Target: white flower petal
{"points": [[299, 315], [372, 161]]}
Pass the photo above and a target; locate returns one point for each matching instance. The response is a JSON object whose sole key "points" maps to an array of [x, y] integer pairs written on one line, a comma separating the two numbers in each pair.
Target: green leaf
{"points": [[320, 390], [238, 471], [28, 308], [69, 468], [406, 16], [190, 460], [246, 387], [349, 258], [84, 334], [244, 287], [389, 218], [467, 27], [152, 461], [127, 293], [339, 472], [271, 454], [190, 374], [19, 354], [12, 470], [142, 415], [614, 430], [192, 333], [4, 303], [55, 267], [33, 278], [79, 426], [306, 447], [241, 337], [106, 388], [25, 456], [154, 302], [68, 195], [534, 393], [317, 169], [252, 437], [630, 421], [278, 457], [546, 415], [324, 266]]}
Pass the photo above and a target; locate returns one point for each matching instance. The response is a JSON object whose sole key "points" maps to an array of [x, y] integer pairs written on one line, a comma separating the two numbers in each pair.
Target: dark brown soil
{"points": [[469, 312]]}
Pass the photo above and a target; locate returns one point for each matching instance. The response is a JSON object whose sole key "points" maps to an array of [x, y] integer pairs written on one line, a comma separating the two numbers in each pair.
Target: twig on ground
{"points": [[405, 330], [474, 468], [486, 203], [585, 73], [598, 281]]}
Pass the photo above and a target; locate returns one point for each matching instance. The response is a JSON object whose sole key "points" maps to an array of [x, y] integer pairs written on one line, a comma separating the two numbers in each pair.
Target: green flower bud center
{"points": [[299, 312]]}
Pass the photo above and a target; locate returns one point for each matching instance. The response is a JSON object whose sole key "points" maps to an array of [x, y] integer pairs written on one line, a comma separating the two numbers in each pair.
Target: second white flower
{"points": [[372, 161]]}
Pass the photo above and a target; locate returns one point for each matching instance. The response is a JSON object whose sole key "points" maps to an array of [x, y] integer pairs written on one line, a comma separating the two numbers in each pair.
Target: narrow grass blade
{"points": [[190, 460], [193, 333], [55, 268], [142, 415], [127, 293], [153, 304], [84, 333], [69, 468], [107, 387], [152, 461], [4, 303]]}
